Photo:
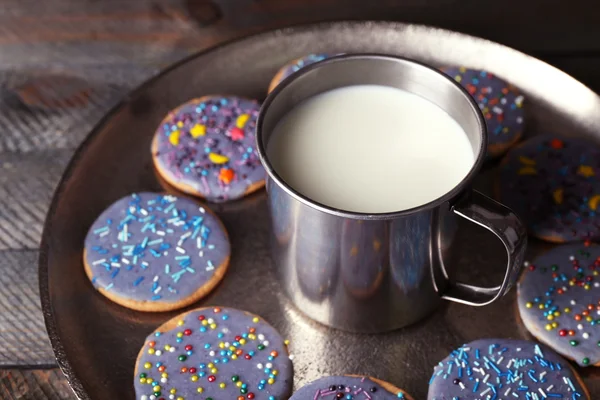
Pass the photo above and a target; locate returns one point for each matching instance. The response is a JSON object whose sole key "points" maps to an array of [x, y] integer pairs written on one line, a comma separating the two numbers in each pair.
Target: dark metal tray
{"points": [[96, 341]]}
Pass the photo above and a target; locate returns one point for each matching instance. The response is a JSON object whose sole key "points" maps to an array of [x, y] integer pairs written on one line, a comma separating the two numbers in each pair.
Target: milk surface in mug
{"points": [[370, 149]]}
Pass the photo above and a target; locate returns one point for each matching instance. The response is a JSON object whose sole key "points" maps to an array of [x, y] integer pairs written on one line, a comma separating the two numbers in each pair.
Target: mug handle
{"points": [[502, 222]]}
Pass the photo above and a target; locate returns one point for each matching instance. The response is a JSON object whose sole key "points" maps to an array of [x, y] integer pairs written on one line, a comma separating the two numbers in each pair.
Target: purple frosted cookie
{"points": [[500, 103], [505, 369], [552, 183], [294, 65], [155, 252], [559, 301], [206, 147], [214, 353], [349, 387]]}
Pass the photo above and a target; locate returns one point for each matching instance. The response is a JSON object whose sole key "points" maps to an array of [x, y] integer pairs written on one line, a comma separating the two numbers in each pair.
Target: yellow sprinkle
{"points": [[548, 327], [240, 122], [214, 371], [179, 334], [213, 326], [585, 170], [567, 310], [179, 124], [586, 287], [222, 385], [149, 381], [143, 381], [571, 283], [555, 324], [541, 306], [221, 345], [504, 130], [252, 336], [242, 341], [274, 372], [200, 389], [557, 313], [286, 342], [234, 357], [173, 391], [156, 388], [194, 378], [180, 322], [595, 273], [239, 384], [174, 138], [458, 78], [462, 69], [211, 365], [558, 196], [528, 304], [204, 322], [198, 130], [147, 365], [167, 347], [526, 160], [527, 171], [180, 398], [550, 317], [255, 320], [218, 159], [588, 318], [164, 375], [150, 351], [232, 348], [271, 381]]}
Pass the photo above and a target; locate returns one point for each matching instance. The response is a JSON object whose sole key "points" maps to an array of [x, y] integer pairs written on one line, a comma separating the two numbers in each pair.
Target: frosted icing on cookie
{"points": [[206, 147], [348, 387], [559, 301], [504, 369], [214, 353], [155, 252], [500, 103], [295, 65], [553, 184]]}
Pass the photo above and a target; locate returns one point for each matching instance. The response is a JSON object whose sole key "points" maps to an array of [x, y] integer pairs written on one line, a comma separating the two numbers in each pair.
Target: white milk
{"points": [[371, 149]]}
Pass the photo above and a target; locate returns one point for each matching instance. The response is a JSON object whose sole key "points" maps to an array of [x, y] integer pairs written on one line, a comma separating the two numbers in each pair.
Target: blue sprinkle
{"points": [[138, 281]]}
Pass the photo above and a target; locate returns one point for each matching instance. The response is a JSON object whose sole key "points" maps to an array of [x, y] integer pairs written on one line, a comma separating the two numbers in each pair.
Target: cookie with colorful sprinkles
{"points": [[559, 301], [497, 369], [295, 65], [349, 387], [553, 184], [214, 353], [500, 103], [206, 147], [156, 252]]}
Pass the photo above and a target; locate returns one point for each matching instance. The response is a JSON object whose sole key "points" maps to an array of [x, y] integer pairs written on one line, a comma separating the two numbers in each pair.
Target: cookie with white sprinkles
{"points": [[214, 353], [295, 65], [206, 147], [494, 369], [349, 387], [156, 252], [559, 301]]}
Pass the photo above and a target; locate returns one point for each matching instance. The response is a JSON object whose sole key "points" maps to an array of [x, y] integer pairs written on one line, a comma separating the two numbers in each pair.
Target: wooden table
{"points": [[64, 63]]}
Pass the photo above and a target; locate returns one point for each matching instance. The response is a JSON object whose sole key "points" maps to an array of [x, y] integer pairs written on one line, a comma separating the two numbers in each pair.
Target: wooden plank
{"points": [[16, 384]]}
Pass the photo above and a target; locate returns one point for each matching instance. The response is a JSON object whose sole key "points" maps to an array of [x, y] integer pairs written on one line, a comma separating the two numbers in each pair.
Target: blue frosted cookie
{"points": [[349, 387], [214, 353], [497, 369], [559, 301], [500, 103], [207, 147], [295, 65], [553, 184], [156, 252]]}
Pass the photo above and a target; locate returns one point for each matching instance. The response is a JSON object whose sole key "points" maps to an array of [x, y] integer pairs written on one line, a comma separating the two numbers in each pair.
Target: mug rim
{"points": [[455, 192]]}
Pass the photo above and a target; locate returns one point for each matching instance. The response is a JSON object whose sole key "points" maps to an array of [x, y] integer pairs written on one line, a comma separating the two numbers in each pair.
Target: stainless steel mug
{"points": [[377, 272]]}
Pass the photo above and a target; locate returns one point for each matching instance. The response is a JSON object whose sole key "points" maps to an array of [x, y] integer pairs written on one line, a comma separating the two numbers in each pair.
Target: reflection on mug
{"points": [[410, 238], [317, 255], [363, 256], [281, 213]]}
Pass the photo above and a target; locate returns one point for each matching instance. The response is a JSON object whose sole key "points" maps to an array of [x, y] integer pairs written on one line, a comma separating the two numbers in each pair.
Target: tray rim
{"points": [[57, 345]]}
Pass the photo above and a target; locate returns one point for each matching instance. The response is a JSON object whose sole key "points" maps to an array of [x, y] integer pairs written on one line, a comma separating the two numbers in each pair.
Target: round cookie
{"points": [[349, 387], [553, 184], [207, 147], [214, 353], [293, 66], [504, 369], [500, 103], [156, 252], [559, 301]]}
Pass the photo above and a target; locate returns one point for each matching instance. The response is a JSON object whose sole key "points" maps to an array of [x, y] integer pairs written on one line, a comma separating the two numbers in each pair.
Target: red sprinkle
{"points": [[192, 370], [250, 395], [189, 347], [187, 332], [563, 332], [557, 144], [201, 317], [211, 378]]}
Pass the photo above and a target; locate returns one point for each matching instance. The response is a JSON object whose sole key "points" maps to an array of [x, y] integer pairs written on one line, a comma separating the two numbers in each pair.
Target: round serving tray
{"points": [[96, 342]]}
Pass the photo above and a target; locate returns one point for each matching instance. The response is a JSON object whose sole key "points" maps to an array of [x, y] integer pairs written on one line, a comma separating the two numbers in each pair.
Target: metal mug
{"points": [[377, 272]]}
